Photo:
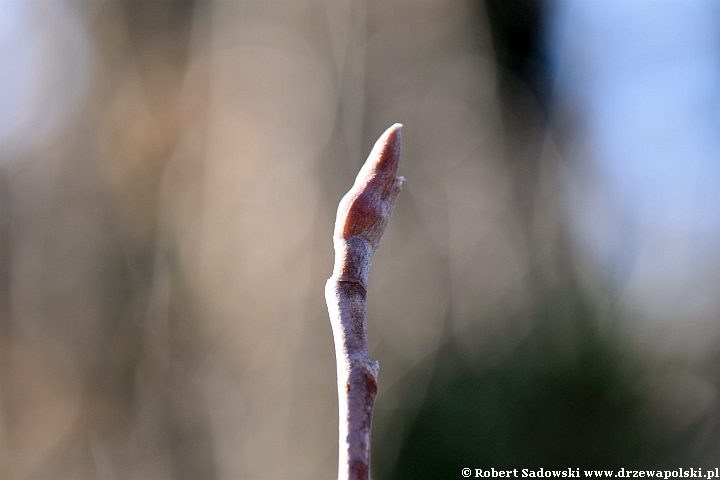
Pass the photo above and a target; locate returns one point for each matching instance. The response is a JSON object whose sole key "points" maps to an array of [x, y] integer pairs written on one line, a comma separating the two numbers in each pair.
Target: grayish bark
{"points": [[362, 216]]}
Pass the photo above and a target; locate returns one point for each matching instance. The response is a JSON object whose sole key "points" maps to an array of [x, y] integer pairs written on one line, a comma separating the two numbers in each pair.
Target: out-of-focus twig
{"points": [[362, 216]]}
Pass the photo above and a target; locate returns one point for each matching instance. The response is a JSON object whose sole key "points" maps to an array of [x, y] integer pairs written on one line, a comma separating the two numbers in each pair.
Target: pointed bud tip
{"points": [[385, 155], [392, 137]]}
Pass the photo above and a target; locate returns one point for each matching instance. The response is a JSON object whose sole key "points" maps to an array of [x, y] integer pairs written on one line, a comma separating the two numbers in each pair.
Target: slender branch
{"points": [[362, 216]]}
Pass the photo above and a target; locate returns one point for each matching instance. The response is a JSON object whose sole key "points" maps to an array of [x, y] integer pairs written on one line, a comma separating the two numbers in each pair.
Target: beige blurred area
{"points": [[166, 211]]}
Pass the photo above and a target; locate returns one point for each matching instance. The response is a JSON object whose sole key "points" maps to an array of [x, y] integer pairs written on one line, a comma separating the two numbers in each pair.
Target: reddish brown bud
{"points": [[365, 210]]}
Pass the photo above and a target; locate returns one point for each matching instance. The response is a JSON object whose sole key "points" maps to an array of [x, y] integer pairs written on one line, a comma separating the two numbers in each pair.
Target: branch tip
{"points": [[365, 210], [362, 216]]}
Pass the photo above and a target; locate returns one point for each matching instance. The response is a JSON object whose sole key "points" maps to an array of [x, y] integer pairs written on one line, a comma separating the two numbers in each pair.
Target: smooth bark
{"points": [[362, 216]]}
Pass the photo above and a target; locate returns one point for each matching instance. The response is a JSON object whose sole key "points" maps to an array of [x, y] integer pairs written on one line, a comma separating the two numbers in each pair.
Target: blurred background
{"points": [[546, 295]]}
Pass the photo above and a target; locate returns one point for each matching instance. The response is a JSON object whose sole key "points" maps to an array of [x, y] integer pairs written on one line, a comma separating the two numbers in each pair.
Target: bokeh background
{"points": [[546, 295]]}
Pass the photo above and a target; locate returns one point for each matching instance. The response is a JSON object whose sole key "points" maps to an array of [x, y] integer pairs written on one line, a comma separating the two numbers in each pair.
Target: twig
{"points": [[362, 216]]}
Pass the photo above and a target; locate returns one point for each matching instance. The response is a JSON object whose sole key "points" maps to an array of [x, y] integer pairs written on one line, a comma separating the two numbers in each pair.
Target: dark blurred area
{"points": [[546, 294]]}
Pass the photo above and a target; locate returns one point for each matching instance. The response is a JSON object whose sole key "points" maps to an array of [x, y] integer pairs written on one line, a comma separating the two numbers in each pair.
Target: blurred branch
{"points": [[362, 216]]}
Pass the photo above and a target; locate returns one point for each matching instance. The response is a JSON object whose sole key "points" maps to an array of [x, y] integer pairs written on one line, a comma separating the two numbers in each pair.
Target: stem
{"points": [[362, 216]]}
